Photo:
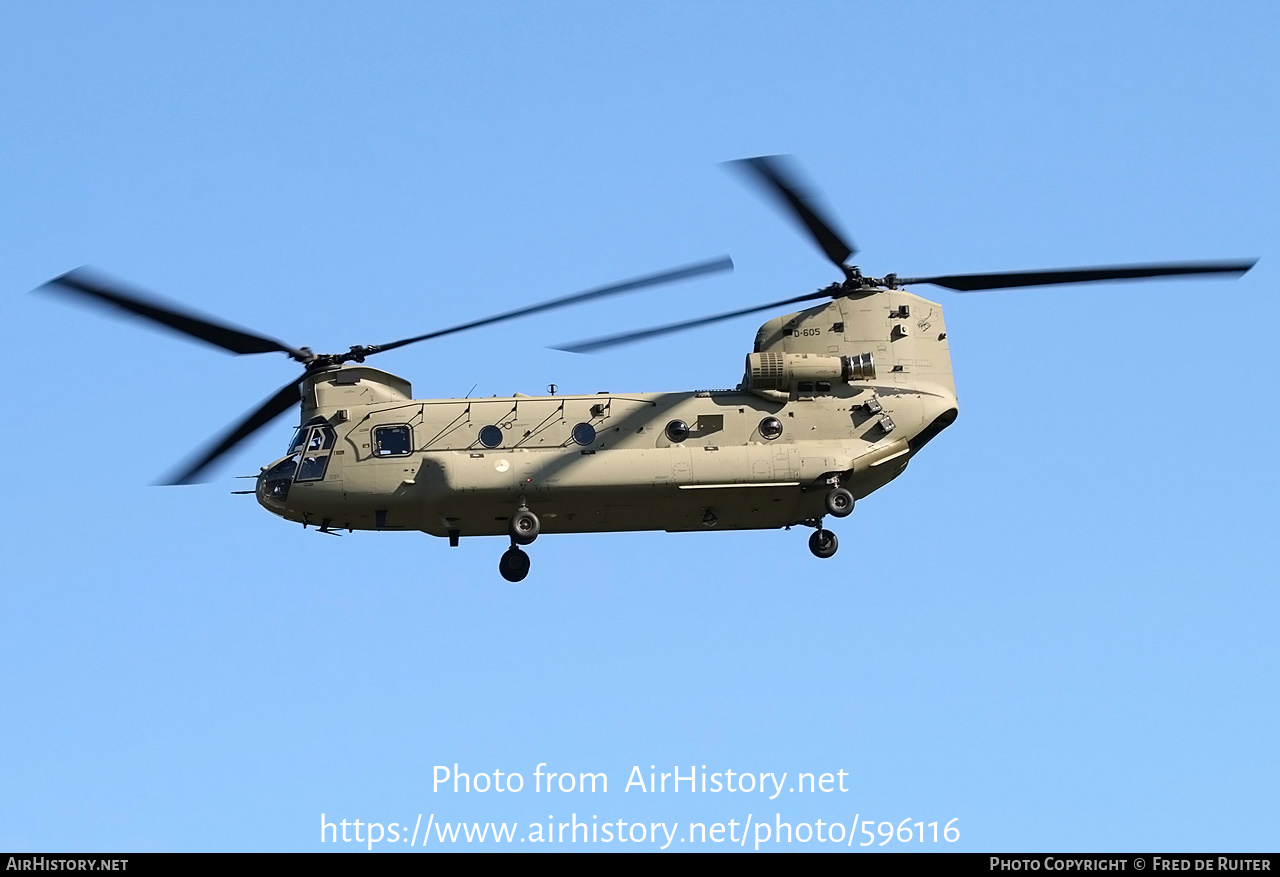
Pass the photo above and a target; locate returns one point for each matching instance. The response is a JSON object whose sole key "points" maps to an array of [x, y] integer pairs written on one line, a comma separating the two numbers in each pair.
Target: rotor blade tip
{"points": [[66, 278]]}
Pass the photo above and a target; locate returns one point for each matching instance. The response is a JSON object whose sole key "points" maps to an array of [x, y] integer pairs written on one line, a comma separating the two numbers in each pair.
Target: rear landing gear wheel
{"points": [[514, 564], [524, 527], [823, 543], [839, 503]]}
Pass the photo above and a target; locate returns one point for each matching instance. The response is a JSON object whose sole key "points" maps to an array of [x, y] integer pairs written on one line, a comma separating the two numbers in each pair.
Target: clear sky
{"points": [[1057, 627]]}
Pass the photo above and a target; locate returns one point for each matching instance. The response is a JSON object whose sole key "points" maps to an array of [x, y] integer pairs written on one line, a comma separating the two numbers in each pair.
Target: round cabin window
{"points": [[584, 434], [771, 428], [677, 430], [490, 436]]}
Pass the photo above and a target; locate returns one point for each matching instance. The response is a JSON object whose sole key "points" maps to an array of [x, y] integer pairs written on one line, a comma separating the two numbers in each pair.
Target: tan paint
{"points": [[725, 475]]}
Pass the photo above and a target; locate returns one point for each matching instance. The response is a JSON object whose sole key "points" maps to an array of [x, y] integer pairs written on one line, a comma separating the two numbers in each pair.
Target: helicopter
{"points": [[835, 401]]}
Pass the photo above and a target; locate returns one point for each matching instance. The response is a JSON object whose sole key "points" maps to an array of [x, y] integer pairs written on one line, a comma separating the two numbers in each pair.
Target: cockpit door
{"points": [[316, 451]]}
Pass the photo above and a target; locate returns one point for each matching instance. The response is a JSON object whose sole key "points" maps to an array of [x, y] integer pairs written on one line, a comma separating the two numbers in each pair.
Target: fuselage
{"points": [[842, 393]]}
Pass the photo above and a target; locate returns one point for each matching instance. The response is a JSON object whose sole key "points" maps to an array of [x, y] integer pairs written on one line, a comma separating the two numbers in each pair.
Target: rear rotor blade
{"points": [[81, 282], [595, 344], [774, 179], [724, 263], [1010, 279], [284, 399]]}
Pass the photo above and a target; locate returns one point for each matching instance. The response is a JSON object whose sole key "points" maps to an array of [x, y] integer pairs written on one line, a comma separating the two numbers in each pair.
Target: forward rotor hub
{"points": [[856, 281]]}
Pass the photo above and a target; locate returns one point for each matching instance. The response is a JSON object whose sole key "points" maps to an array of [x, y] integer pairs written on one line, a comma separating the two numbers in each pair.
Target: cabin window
{"points": [[584, 434], [392, 441], [491, 436], [771, 428]]}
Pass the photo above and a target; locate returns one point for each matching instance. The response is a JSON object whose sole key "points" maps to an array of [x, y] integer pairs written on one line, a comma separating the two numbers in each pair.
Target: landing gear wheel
{"points": [[839, 503], [514, 564], [823, 543], [524, 527]]}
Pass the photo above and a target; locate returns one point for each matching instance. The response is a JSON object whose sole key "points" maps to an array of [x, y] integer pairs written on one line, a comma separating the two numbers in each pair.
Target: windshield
{"points": [[274, 483]]}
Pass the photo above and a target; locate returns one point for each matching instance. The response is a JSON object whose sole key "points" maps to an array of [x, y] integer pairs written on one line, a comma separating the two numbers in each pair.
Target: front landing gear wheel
{"points": [[839, 503], [823, 543], [514, 564]]}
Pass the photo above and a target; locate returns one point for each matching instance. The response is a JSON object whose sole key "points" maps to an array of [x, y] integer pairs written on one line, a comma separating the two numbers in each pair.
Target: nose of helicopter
{"points": [[274, 482]]}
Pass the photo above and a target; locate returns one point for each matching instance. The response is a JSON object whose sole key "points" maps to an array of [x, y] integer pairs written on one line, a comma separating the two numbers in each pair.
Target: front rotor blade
{"points": [[1010, 279], [595, 344], [783, 186], [284, 399], [724, 263], [82, 283]]}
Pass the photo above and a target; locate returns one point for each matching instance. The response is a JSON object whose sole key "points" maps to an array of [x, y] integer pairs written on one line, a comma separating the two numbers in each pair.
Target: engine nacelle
{"points": [[805, 372]]}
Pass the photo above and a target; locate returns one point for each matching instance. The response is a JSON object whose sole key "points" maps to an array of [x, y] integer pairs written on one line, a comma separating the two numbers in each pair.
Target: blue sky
{"points": [[1057, 627]]}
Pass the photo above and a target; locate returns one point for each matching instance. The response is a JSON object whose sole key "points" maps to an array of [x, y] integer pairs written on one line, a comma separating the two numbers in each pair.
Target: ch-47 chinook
{"points": [[836, 400]]}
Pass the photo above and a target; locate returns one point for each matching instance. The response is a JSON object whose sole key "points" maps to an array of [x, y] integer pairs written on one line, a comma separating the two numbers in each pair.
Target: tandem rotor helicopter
{"points": [[835, 401]]}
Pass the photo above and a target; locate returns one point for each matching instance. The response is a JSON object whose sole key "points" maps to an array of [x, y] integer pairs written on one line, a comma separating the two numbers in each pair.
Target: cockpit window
{"points": [[392, 441], [321, 439], [318, 443], [273, 485], [312, 468], [300, 437]]}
